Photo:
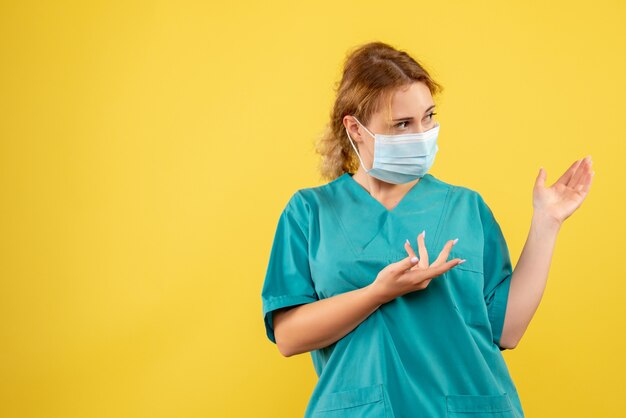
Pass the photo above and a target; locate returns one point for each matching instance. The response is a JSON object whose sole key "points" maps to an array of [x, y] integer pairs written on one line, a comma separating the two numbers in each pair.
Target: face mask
{"points": [[401, 158]]}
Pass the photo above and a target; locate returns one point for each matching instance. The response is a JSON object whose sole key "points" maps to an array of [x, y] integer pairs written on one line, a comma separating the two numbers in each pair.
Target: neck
{"points": [[381, 189]]}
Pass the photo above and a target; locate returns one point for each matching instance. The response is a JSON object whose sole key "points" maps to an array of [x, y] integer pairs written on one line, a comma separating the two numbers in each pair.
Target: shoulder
{"points": [[457, 191], [311, 198], [305, 203], [467, 199]]}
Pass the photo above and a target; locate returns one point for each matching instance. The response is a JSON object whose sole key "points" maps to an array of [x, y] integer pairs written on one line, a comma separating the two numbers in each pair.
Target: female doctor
{"points": [[391, 332]]}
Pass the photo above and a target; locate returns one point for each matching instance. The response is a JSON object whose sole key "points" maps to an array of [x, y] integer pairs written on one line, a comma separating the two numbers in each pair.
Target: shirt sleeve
{"points": [[288, 279], [497, 273]]}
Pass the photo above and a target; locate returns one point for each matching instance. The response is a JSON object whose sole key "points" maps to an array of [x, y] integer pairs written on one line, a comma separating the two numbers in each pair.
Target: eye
{"points": [[431, 114], [402, 124]]}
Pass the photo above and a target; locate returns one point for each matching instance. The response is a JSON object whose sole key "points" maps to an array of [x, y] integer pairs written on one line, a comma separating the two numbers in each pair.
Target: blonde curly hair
{"points": [[371, 74]]}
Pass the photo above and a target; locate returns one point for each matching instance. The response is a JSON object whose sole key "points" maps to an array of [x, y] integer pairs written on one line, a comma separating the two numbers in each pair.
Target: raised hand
{"points": [[566, 195]]}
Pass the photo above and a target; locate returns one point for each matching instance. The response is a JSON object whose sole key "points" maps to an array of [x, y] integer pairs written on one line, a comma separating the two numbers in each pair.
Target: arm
{"points": [[295, 318], [318, 324], [552, 206], [529, 279]]}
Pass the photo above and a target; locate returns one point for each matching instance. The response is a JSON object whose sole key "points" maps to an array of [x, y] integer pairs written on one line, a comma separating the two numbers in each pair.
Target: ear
{"points": [[353, 128]]}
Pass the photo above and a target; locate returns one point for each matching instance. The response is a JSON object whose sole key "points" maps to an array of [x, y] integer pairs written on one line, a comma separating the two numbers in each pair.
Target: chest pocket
{"points": [[366, 401], [466, 282], [479, 406]]}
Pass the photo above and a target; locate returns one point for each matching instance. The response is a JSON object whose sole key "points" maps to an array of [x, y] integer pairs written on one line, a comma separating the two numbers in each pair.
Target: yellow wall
{"points": [[147, 149]]}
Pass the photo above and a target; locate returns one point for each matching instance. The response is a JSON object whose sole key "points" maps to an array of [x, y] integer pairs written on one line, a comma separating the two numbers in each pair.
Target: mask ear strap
{"points": [[357, 152], [367, 130]]}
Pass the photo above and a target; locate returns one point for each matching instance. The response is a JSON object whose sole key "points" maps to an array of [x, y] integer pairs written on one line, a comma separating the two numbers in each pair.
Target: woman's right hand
{"points": [[411, 273]]}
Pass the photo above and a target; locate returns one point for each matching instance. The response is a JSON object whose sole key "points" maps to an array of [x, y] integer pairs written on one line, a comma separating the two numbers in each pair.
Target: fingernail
{"points": [[462, 261], [424, 233], [414, 260], [455, 241], [407, 241]]}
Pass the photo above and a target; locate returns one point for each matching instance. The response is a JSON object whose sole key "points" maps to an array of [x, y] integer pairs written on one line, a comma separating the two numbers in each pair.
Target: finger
{"points": [[411, 253], [540, 181], [582, 181], [445, 252], [578, 179], [568, 174], [435, 271], [581, 170], [422, 250], [405, 264], [409, 249], [586, 184], [450, 264]]}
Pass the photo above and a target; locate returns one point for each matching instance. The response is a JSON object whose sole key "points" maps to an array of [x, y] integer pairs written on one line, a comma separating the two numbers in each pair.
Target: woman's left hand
{"points": [[561, 199]]}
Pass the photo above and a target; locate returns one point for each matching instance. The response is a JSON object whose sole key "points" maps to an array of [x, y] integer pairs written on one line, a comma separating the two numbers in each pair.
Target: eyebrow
{"points": [[411, 117]]}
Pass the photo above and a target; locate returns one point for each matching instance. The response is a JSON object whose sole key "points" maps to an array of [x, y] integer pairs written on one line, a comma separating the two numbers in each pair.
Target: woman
{"points": [[345, 284]]}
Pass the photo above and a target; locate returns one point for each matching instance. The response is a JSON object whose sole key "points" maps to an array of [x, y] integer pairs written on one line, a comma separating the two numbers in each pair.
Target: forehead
{"points": [[411, 100]]}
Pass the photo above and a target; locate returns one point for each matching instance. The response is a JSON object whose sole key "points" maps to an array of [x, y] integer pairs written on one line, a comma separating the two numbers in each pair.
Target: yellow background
{"points": [[147, 149]]}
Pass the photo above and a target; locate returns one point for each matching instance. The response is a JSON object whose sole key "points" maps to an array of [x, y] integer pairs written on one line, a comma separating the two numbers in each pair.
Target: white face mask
{"points": [[401, 158]]}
